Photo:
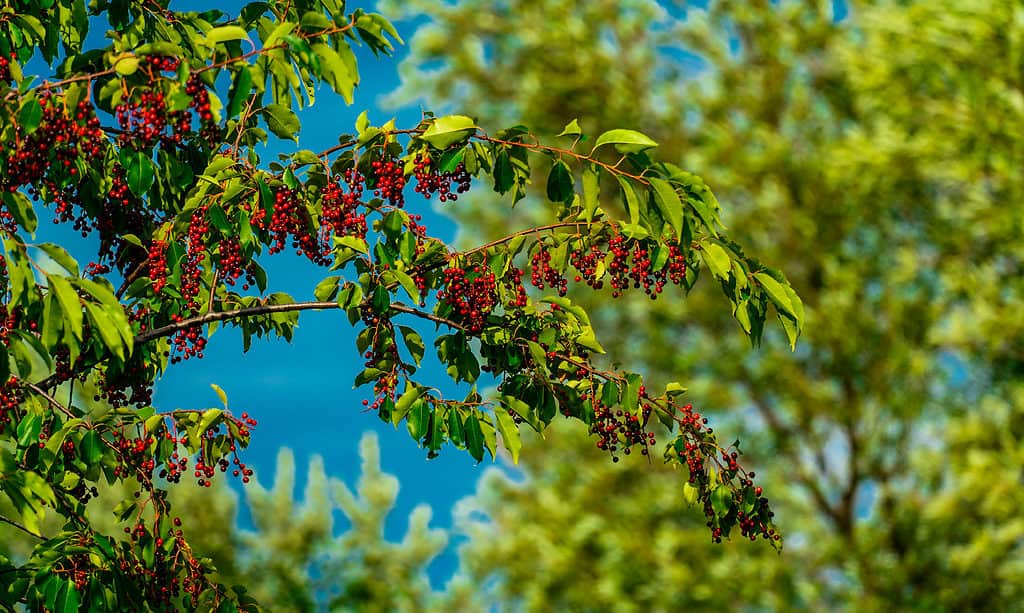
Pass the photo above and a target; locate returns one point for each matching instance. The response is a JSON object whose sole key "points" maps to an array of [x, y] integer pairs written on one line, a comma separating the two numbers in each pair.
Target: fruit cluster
{"points": [[340, 213], [389, 181], [542, 274], [431, 181], [47, 160], [616, 428], [471, 294]]}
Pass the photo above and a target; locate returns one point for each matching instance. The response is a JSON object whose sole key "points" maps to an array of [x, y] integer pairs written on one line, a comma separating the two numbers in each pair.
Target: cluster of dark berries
{"points": [[542, 274], [430, 181], [586, 262], [617, 429], [290, 224], [471, 294]]}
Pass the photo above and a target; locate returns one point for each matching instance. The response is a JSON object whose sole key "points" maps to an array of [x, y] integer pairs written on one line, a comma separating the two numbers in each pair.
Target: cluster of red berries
{"points": [[389, 181], [586, 262], [514, 281], [615, 429], [340, 209], [5, 70], [542, 274], [195, 249], [471, 294], [230, 265], [208, 130], [159, 581], [640, 272], [157, 263], [430, 181], [46, 160], [10, 399], [144, 122], [290, 223], [162, 63]]}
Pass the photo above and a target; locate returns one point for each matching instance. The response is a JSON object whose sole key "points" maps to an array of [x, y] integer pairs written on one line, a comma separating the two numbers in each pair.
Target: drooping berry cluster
{"points": [[10, 399], [340, 214], [747, 508], [157, 263], [471, 294], [542, 274], [290, 223], [586, 262], [430, 181], [389, 181], [208, 130], [5, 70], [617, 429], [144, 122], [513, 281], [46, 160]]}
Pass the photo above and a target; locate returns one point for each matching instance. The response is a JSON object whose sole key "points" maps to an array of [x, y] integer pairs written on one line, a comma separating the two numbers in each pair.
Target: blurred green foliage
{"points": [[876, 158]]}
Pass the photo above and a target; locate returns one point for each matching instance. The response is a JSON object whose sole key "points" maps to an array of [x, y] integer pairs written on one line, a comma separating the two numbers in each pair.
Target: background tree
{"points": [[857, 149], [149, 145]]}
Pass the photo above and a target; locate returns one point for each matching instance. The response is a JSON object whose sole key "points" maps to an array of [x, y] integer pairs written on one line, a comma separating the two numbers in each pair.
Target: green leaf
{"points": [[315, 20], [418, 419], [474, 438], [560, 183], [28, 430], [70, 304], [21, 208], [509, 433], [669, 204], [716, 258], [30, 115], [456, 431], [504, 174], [413, 342], [571, 129], [5, 363], [224, 34], [777, 293], [91, 447], [220, 394], [326, 289], [240, 90], [139, 172], [631, 395], [108, 331], [282, 121], [704, 213], [411, 394], [338, 73], [211, 415], [60, 256], [127, 65], [632, 204], [626, 141], [446, 131]]}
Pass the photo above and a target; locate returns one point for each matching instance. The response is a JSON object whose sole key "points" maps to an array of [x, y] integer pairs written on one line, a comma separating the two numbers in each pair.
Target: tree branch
{"points": [[8, 520]]}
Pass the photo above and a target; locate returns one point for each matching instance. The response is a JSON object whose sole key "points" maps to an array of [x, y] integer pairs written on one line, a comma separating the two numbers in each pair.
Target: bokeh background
{"points": [[872, 150]]}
